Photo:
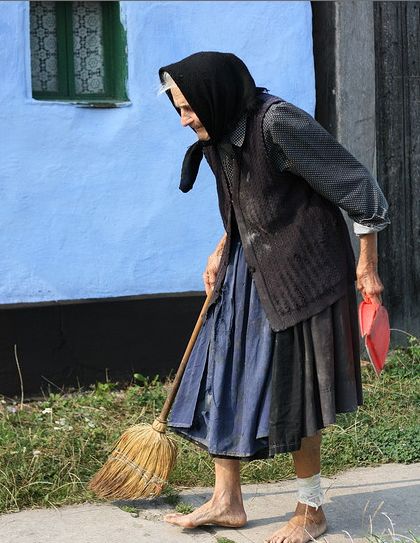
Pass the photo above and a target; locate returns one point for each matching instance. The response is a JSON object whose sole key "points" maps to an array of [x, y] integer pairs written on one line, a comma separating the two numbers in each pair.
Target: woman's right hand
{"points": [[213, 264], [210, 273]]}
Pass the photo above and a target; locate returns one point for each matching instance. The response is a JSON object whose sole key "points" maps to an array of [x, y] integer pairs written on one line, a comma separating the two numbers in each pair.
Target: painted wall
{"points": [[90, 205]]}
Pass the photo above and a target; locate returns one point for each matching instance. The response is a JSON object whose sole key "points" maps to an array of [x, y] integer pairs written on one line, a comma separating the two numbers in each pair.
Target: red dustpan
{"points": [[374, 327]]}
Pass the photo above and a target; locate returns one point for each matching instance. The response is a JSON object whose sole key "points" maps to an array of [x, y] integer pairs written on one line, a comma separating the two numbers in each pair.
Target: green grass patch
{"points": [[129, 509], [184, 508], [49, 449], [170, 495]]}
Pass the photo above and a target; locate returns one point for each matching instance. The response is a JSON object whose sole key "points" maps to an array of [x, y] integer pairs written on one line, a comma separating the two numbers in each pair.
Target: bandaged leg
{"points": [[310, 491]]}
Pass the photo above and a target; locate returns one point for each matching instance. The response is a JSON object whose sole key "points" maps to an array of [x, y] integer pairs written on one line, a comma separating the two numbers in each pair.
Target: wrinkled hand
{"points": [[210, 273], [369, 283]]}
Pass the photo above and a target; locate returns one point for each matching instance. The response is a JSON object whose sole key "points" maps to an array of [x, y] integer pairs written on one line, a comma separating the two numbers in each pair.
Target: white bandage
{"points": [[310, 491]]}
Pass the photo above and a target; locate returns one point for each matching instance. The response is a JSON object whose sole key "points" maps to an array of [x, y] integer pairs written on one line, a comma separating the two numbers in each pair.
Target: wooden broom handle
{"points": [[177, 381]]}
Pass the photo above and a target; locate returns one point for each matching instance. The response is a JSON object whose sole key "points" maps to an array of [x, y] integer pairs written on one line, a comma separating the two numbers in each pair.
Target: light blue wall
{"points": [[90, 205]]}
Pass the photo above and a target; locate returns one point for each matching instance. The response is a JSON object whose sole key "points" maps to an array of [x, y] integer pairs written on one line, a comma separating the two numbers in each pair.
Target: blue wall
{"points": [[90, 205]]}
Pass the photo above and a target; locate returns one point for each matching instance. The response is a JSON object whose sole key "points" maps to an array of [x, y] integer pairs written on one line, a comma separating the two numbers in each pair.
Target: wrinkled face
{"points": [[188, 117]]}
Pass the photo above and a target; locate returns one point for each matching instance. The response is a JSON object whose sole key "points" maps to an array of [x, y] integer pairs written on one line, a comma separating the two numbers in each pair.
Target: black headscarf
{"points": [[219, 89]]}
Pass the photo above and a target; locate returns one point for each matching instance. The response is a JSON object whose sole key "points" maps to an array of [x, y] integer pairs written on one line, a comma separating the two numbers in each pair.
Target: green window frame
{"points": [[95, 73]]}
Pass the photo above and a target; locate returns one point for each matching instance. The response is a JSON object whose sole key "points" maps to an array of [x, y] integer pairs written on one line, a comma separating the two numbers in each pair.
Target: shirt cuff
{"points": [[360, 229]]}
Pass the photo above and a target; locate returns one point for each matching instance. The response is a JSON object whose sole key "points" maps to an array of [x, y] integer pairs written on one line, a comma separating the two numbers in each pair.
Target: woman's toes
{"points": [[171, 515]]}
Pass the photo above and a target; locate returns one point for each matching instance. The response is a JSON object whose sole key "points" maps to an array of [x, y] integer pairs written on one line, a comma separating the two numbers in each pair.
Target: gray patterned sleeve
{"points": [[296, 142]]}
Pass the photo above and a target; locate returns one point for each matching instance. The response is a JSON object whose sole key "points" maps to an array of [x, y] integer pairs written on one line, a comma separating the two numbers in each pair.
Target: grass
{"points": [[184, 508], [392, 538], [130, 509], [170, 495], [50, 448]]}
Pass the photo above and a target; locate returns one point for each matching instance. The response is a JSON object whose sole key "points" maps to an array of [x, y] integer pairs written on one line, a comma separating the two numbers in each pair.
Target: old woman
{"points": [[278, 354]]}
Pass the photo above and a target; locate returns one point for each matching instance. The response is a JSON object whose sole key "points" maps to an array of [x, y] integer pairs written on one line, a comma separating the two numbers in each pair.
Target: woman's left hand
{"points": [[369, 283]]}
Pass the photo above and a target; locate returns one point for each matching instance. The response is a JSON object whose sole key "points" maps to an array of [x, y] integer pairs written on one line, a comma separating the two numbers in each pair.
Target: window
{"points": [[78, 52]]}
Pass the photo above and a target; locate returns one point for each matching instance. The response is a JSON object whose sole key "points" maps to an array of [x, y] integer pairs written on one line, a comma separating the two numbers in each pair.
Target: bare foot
{"points": [[212, 512], [307, 524]]}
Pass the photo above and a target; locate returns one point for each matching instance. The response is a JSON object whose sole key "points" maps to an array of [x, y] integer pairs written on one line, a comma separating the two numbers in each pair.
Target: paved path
{"points": [[355, 500]]}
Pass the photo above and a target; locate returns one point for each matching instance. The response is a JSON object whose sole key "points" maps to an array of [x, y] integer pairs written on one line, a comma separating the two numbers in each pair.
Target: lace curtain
{"points": [[88, 48], [43, 24]]}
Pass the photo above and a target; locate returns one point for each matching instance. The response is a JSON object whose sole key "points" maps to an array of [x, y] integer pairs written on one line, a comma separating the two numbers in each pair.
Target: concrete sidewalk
{"points": [[356, 501]]}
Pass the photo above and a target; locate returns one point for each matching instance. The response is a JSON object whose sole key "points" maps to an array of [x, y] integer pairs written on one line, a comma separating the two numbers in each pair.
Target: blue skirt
{"points": [[249, 392]]}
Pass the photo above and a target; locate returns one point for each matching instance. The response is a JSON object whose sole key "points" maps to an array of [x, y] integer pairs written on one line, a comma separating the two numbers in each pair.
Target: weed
{"points": [[129, 509], [391, 538], [184, 508], [170, 495]]}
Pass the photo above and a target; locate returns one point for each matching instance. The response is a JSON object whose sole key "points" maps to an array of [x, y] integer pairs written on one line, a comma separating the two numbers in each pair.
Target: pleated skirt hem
{"points": [[265, 452]]}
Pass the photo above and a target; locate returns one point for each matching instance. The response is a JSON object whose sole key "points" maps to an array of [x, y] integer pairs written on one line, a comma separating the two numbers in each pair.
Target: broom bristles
{"points": [[139, 465]]}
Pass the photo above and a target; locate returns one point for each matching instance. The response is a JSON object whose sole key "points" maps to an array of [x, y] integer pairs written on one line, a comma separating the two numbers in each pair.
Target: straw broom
{"points": [[143, 457]]}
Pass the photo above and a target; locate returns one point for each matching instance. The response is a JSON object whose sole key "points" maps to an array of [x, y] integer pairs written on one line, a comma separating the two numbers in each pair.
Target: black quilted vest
{"points": [[295, 242]]}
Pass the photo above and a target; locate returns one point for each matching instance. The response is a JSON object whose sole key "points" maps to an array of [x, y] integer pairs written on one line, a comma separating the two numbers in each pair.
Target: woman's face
{"points": [[188, 117]]}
